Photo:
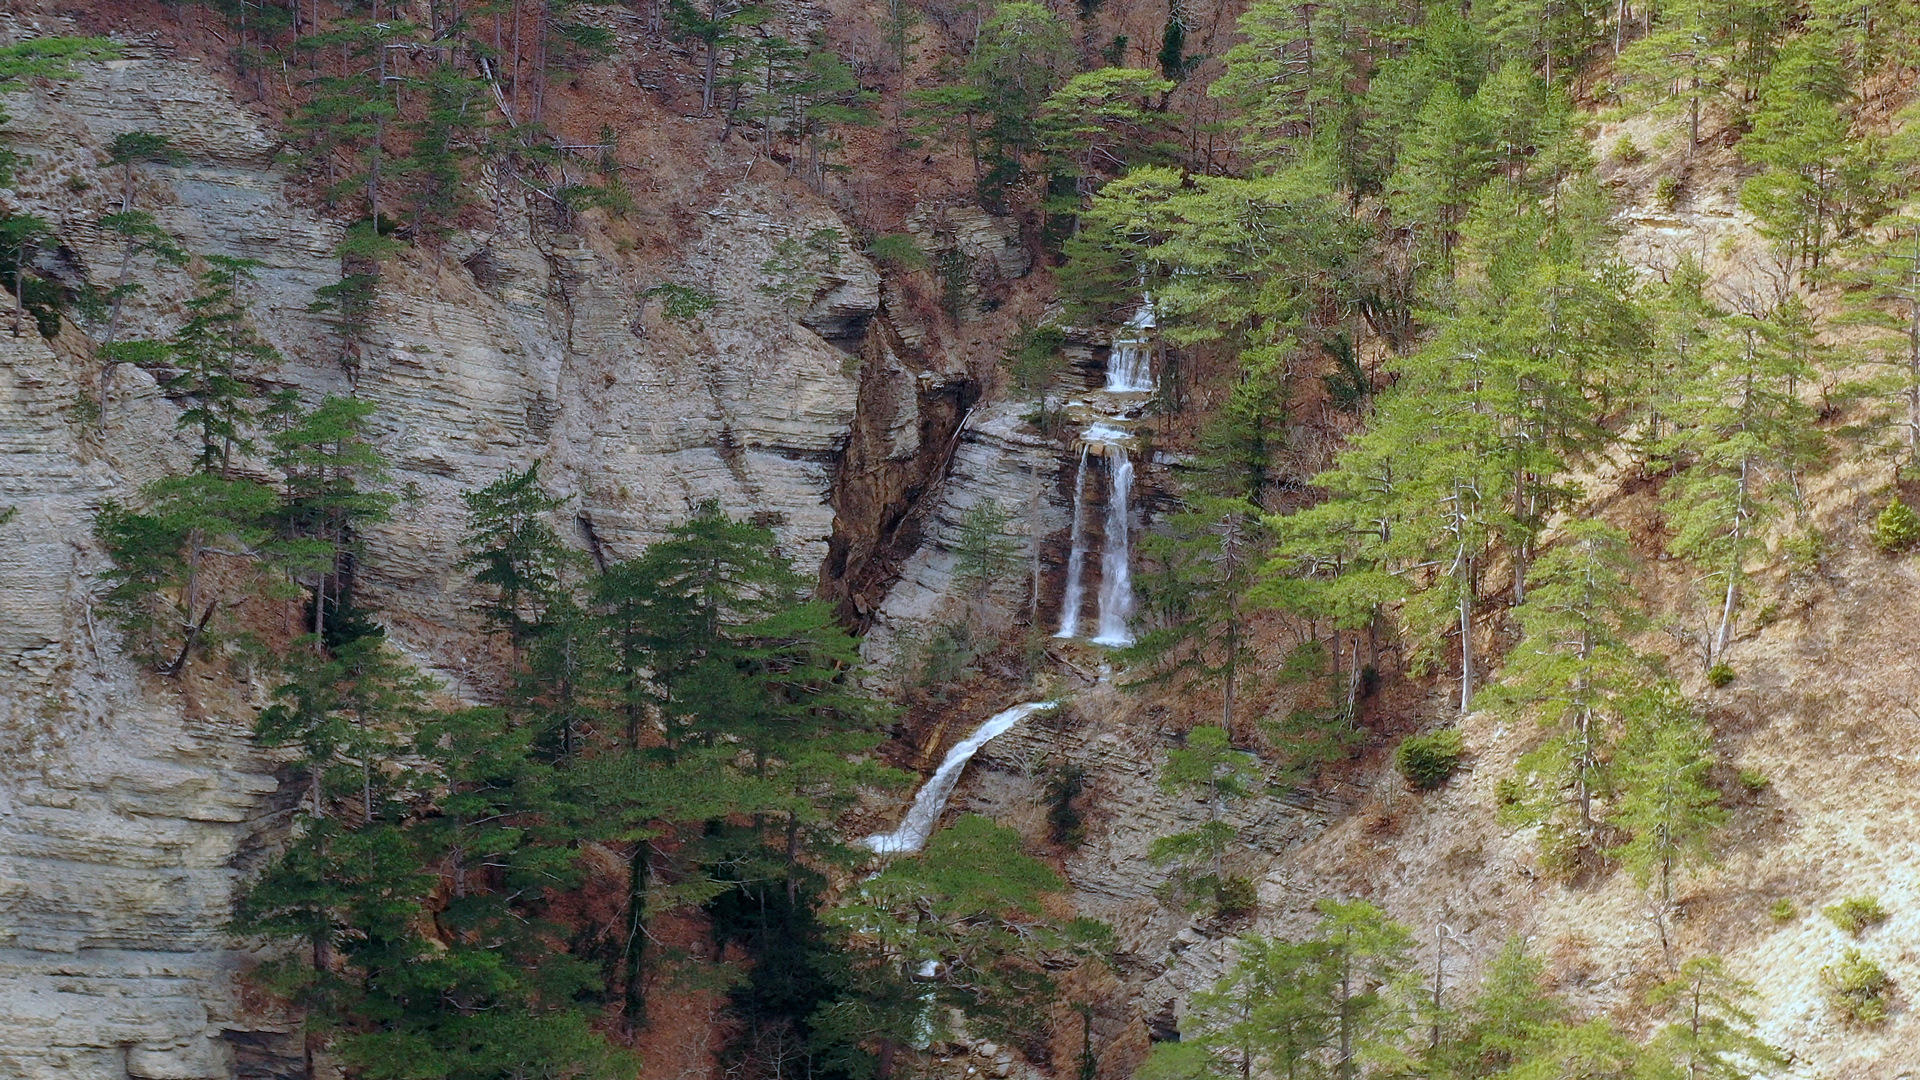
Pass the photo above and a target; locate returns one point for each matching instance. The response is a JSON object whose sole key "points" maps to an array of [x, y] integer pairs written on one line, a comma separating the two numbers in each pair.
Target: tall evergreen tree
{"points": [[1209, 768], [1575, 672], [1666, 802]]}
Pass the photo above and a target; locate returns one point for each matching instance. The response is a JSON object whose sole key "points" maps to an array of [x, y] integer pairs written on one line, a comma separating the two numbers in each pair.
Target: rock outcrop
{"points": [[126, 800]]}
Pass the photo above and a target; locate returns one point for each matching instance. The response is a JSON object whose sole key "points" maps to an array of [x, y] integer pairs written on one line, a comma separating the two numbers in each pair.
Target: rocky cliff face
{"points": [[127, 801]]}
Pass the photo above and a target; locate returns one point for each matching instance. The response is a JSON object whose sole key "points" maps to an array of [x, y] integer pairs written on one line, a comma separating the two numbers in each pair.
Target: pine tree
{"points": [[214, 355], [1444, 158], [1511, 1017], [716, 29], [985, 556], [139, 235], [351, 303], [1666, 802], [737, 695], [1194, 582], [1274, 1006], [1021, 54], [350, 712], [1331, 1005], [158, 589], [1209, 768], [21, 237], [1746, 433], [1103, 122], [1370, 954], [515, 552], [1805, 198], [1883, 296], [1293, 79], [1553, 36], [1575, 672], [1247, 261], [972, 906], [1687, 59], [333, 478], [1709, 1033]]}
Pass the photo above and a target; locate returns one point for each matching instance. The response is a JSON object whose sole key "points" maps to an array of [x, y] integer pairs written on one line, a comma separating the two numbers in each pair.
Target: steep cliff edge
{"points": [[128, 800]]}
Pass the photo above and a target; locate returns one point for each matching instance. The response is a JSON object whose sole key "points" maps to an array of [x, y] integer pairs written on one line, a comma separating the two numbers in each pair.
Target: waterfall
{"points": [[1130, 363], [931, 799], [1076, 554], [1129, 371], [1116, 567]]}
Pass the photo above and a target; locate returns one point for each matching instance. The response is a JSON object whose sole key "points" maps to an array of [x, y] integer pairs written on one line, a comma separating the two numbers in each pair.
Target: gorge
{"points": [[648, 540]]}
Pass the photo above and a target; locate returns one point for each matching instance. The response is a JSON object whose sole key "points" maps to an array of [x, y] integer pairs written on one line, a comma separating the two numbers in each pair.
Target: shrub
{"points": [[1782, 910], [1857, 987], [1235, 895], [1855, 914], [680, 301], [1897, 528], [1065, 783], [1428, 760], [1666, 192], [1720, 675], [898, 250], [947, 654], [1627, 152], [1754, 781]]}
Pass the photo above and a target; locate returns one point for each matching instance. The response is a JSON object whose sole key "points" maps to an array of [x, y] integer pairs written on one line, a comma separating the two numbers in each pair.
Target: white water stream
{"points": [[1076, 590], [932, 797], [1116, 559]]}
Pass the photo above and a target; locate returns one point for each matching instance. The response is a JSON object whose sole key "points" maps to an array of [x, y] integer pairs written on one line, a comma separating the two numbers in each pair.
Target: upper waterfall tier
{"points": [[1130, 364]]}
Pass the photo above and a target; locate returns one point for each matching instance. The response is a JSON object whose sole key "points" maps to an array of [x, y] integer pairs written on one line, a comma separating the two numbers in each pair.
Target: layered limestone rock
{"points": [[996, 459], [126, 799], [123, 797]]}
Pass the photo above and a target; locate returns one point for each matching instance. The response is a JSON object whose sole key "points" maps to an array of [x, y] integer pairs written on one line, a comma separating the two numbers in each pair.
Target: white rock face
{"points": [[125, 799], [996, 459], [122, 798]]}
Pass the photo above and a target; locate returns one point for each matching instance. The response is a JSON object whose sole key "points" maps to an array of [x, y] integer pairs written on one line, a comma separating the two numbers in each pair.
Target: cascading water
{"points": [[931, 799], [1116, 565], [1076, 555], [1130, 363], [1129, 371]]}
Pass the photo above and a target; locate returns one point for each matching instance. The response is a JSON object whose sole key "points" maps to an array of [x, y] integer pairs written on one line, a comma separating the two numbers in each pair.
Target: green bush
{"points": [[1897, 528], [898, 250], [1666, 192], [1857, 987], [1428, 760], [1235, 895], [680, 301], [1782, 910], [1065, 825], [1627, 152], [1855, 914], [1754, 781], [1720, 675]]}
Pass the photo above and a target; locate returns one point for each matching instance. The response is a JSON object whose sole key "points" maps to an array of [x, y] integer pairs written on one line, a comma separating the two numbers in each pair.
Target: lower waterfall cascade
{"points": [[931, 799]]}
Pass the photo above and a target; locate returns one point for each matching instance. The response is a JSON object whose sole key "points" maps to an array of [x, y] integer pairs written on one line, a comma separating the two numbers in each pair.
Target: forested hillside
{"points": [[509, 499]]}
